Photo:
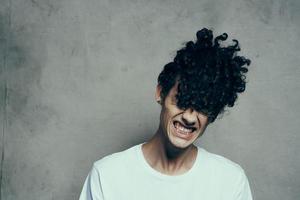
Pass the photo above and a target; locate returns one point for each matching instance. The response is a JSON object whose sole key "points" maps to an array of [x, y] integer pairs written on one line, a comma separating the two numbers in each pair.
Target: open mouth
{"points": [[182, 129]]}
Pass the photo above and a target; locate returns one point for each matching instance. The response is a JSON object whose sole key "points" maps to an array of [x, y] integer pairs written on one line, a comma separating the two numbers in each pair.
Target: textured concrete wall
{"points": [[78, 80]]}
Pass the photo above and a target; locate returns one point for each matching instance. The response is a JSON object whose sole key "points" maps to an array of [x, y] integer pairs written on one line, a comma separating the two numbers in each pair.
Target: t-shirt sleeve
{"points": [[244, 191], [92, 189]]}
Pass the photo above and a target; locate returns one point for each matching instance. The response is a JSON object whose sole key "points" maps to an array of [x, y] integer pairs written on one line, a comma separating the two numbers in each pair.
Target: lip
{"points": [[181, 135], [188, 127]]}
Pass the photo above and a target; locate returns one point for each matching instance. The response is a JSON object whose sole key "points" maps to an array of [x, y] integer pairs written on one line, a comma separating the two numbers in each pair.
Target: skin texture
{"points": [[166, 151]]}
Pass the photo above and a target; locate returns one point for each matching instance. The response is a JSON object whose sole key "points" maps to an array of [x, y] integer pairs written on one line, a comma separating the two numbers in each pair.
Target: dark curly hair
{"points": [[209, 75]]}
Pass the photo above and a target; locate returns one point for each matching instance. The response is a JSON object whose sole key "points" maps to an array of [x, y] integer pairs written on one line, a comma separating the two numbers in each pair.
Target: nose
{"points": [[189, 117]]}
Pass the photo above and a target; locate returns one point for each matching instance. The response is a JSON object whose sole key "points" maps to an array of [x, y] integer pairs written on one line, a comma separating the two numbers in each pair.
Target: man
{"points": [[193, 90]]}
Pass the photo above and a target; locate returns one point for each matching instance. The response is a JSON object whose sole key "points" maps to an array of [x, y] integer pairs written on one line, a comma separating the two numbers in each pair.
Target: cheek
{"points": [[203, 127], [166, 116], [203, 119]]}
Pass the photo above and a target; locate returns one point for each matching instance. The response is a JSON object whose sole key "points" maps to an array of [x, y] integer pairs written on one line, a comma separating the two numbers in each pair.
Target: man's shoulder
{"points": [[222, 164], [116, 159]]}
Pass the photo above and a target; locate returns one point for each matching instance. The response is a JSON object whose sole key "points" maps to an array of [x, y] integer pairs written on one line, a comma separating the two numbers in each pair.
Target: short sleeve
{"points": [[244, 191], [92, 189]]}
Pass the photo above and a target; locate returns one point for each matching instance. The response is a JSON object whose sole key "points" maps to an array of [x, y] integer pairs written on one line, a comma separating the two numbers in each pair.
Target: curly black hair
{"points": [[209, 75]]}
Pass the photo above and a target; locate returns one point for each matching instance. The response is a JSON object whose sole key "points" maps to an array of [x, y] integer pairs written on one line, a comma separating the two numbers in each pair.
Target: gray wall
{"points": [[78, 80]]}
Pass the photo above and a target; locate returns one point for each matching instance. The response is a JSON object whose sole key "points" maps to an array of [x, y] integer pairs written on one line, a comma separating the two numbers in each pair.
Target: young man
{"points": [[193, 90]]}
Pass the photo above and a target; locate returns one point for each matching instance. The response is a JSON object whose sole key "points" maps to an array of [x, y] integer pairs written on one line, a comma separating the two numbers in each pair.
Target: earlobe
{"points": [[158, 94]]}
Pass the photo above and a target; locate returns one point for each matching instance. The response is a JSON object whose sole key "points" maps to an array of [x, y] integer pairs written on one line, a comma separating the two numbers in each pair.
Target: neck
{"points": [[167, 158]]}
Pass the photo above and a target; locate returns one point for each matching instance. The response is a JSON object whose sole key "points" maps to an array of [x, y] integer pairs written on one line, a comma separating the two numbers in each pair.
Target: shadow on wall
{"points": [[21, 56]]}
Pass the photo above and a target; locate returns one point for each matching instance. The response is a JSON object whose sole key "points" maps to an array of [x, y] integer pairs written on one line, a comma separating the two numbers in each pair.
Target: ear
{"points": [[158, 93]]}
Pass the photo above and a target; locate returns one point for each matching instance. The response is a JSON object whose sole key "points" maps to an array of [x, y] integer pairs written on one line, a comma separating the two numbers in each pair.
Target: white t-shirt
{"points": [[126, 175]]}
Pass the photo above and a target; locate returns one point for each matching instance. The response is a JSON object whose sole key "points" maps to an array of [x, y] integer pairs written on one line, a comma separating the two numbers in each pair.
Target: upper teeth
{"points": [[181, 128]]}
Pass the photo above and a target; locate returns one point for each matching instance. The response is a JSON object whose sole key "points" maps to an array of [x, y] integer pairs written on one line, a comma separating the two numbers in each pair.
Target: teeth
{"points": [[181, 128]]}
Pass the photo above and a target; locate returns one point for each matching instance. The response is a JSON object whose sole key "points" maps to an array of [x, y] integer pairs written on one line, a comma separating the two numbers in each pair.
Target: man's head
{"points": [[202, 80]]}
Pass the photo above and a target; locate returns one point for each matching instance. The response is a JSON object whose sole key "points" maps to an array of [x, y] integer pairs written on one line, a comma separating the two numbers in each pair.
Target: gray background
{"points": [[78, 80]]}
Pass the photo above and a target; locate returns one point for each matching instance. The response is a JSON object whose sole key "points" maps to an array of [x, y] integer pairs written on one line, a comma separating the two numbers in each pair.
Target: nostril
{"points": [[188, 123]]}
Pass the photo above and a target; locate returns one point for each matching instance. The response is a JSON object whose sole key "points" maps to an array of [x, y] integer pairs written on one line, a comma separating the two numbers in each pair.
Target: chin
{"points": [[179, 142]]}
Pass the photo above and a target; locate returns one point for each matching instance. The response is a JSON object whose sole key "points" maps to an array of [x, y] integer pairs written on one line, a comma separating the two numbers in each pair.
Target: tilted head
{"points": [[209, 75]]}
